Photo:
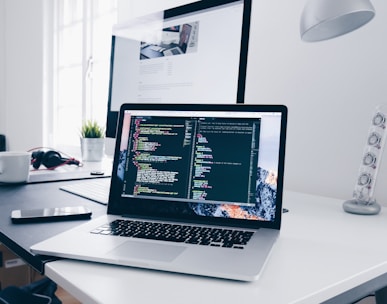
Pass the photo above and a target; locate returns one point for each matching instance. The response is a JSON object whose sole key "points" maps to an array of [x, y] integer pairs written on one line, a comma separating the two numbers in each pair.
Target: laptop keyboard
{"points": [[217, 237]]}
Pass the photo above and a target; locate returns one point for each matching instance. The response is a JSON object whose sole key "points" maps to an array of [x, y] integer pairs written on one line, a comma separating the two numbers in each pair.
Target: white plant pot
{"points": [[93, 149]]}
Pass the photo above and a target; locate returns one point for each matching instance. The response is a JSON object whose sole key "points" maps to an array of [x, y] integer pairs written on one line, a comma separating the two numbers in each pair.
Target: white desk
{"points": [[71, 172], [322, 252]]}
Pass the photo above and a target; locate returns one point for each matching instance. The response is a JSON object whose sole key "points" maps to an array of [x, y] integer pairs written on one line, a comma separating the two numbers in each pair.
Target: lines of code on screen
{"points": [[210, 160]]}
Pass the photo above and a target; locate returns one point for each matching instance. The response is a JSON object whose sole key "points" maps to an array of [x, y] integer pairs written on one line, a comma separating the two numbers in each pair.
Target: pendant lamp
{"points": [[325, 19]]}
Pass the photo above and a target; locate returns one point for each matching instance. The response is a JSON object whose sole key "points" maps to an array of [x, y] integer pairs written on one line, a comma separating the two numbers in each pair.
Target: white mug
{"points": [[14, 166]]}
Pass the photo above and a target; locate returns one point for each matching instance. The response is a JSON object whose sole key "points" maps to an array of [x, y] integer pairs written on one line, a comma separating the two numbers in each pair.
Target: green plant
{"points": [[91, 129]]}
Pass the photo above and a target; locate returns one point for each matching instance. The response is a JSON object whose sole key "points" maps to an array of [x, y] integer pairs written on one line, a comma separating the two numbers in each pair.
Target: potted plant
{"points": [[92, 141]]}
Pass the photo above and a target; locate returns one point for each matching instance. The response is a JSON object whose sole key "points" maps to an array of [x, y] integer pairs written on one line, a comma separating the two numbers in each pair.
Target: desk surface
{"points": [[19, 238], [322, 254], [71, 172]]}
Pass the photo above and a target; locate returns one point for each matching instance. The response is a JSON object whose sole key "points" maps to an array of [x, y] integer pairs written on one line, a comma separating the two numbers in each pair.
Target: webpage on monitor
{"points": [[191, 58]]}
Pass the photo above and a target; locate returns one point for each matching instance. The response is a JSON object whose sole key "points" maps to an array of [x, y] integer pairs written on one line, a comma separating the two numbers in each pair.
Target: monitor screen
{"points": [[196, 53]]}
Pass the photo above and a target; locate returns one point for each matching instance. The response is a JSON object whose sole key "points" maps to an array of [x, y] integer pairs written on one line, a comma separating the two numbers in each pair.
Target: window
{"points": [[82, 41]]}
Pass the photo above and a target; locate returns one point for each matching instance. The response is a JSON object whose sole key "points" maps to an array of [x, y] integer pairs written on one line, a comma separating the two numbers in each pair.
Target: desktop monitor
{"points": [[195, 53]]}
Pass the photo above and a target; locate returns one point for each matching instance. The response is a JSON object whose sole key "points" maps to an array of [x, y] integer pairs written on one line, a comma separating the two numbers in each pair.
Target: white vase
{"points": [[93, 149]]}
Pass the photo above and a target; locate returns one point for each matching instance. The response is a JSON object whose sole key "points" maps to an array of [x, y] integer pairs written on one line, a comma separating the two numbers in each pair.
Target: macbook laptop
{"points": [[195, 189]]}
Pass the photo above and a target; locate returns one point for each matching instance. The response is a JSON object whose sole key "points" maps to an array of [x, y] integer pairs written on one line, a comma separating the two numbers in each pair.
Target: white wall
{"points": [[22, 105], [133, 8], [331, 88]]}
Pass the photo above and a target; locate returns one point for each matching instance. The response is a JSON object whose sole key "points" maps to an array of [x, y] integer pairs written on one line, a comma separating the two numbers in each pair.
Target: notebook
{"points": [[196, 189]]}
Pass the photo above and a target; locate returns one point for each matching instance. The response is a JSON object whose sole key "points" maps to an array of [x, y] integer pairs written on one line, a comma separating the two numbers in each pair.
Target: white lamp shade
{"points": [[325, 19]]}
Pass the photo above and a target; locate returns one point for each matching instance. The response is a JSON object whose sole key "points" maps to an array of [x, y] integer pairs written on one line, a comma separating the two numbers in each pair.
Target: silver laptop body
{"points": [[192, 167]]}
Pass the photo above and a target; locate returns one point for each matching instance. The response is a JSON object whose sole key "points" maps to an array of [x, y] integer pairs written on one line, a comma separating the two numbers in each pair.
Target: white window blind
{"points": [[82, 41]]}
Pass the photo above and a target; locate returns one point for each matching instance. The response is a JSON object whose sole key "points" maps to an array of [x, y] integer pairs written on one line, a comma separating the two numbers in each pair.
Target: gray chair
{"points": [[2, 142]]}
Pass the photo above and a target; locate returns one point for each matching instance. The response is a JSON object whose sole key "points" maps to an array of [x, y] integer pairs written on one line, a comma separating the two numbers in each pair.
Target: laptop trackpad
{"points": [[147, 251]]}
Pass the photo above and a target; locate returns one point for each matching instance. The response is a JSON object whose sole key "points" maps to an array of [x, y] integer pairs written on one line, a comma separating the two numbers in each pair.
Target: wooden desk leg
{"points": [[381, 296]]}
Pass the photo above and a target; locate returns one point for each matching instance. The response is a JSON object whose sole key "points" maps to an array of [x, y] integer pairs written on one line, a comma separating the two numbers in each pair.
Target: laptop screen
{"points": [[223, 162]]}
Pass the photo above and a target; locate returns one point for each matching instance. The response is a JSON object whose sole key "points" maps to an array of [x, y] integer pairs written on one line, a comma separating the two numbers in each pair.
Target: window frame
{"points": [[88, 22]]}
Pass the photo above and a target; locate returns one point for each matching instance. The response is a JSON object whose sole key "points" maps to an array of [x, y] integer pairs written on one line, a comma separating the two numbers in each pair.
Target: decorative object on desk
{"points": [[92, 141], [14, 166], [363, 201], [325, 19]]}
